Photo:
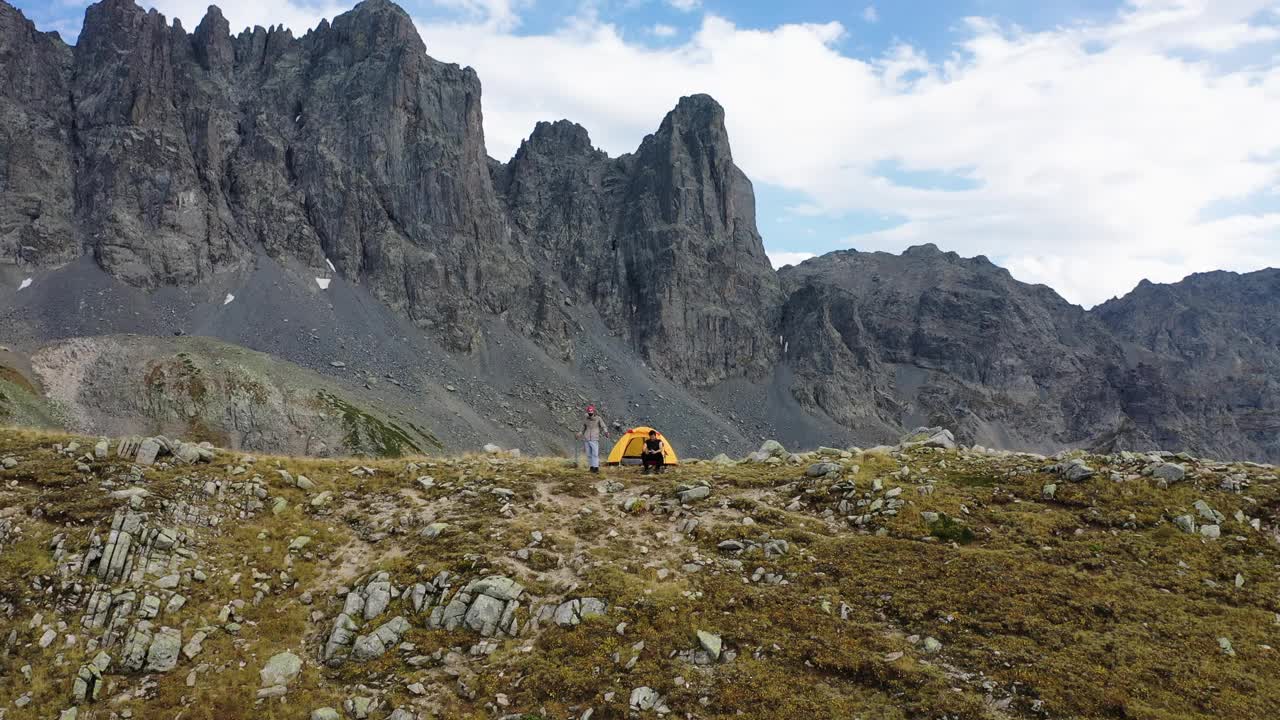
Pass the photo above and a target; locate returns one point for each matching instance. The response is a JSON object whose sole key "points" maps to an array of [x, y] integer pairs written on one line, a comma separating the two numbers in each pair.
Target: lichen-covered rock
{"points": [[166, 646], [280, 669]]}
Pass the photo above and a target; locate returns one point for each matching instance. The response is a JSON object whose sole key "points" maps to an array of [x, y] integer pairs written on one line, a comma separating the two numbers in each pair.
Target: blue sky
{"points": [[1084, 144]]}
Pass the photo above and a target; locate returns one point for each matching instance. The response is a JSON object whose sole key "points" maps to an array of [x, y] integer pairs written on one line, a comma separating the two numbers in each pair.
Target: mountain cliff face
{"points": [[172, 157], [1205, 360], [927, 337], [662, 242]]}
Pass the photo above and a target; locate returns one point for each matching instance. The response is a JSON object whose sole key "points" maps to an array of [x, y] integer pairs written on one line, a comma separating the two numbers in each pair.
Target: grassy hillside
{"points": [[917, 583]]}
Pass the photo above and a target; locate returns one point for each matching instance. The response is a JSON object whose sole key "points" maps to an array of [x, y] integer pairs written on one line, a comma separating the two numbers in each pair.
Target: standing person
{"points": [[592, 429], [652, 457]]}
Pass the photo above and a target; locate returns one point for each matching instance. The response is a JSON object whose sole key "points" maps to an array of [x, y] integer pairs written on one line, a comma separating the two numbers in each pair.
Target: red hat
{"points": [[591, 409]]}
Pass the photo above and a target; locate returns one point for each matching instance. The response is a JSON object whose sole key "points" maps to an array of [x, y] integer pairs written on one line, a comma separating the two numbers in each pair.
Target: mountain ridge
{"points": [[186, 165]]}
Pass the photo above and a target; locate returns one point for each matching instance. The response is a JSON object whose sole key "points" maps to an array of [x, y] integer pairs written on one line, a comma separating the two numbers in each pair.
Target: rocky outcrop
{"points": [[1205, 368], [36, 162], [882, 342], [173, 156], [663, 242]]}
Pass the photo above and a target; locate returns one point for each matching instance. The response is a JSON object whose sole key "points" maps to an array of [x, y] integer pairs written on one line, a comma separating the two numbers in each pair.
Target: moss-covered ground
{"points": [[977, 597]]}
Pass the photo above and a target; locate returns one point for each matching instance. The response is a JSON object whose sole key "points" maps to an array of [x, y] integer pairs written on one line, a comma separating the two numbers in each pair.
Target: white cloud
{"points": [[663, 31], [684, 5], [782, 258], [1097, 149], [870, 14]]}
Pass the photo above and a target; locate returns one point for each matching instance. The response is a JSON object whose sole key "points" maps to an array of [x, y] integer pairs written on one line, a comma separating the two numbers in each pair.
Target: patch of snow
{"points": [[323, 283], [25, 284], [297, 118], [331, 267], [229, 298]]}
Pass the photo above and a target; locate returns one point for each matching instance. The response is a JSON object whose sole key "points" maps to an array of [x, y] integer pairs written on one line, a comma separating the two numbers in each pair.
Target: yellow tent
{"points": [[628, 448]]}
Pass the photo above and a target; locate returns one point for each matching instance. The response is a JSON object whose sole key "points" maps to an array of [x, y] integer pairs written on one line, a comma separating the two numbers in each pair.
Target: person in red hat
{"points": [[592, 429]]}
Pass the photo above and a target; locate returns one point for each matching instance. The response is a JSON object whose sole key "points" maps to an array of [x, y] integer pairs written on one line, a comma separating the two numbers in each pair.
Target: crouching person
{"points": [[653, 453]]}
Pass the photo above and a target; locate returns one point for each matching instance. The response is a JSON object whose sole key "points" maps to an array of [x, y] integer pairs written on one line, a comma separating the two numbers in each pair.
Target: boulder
{"points": [[929, 437], [165, 648], [281, 669], [711, 643], [823, 469], [1169, 472], [148, 450]]}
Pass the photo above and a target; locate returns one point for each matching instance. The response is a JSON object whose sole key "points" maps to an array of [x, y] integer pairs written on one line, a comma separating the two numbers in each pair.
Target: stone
{"points": [[1169, 472], [721, 459], [772, 449], [644, 698], [1208, 514], [823, 469], [377, 643], [434, 530], [195, 645], [299, 543], [932, 646], [325, 713], [1049, 491], [690, 494], [359, 708], [304, 483], [934, 437], [1210, 531], [711, 643], [147, 452], [1076, 471], [281, 669], [273, 691], [1224, 644], [165, 648], [573, 612], [1185, 523]]}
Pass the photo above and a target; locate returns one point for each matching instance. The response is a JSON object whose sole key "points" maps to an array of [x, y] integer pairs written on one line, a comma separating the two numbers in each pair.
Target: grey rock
{"points": [[711, 643], [1185, 523], [935, 437], [644, 698], [1169, 472], [1211, 531], [1208, 514], [377, 643], [1075, 471], [195, 645], [280, 670], [147, 452], [573, 612], [325, 713], [824, 469], [166, 646], [688, 494]]}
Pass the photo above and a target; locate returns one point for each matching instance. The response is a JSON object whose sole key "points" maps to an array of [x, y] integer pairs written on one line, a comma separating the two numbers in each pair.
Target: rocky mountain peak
{"points": [[212, 41], [697, 111], [375, 26], [559, 136]]}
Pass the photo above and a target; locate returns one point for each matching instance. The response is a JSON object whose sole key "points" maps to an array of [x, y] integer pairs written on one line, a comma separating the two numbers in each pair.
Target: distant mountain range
{"points": [[157, 181]]}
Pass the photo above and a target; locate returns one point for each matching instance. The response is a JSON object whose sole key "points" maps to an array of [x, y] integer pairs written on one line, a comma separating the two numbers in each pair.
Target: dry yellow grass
{"points": [[1089, 605]]}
